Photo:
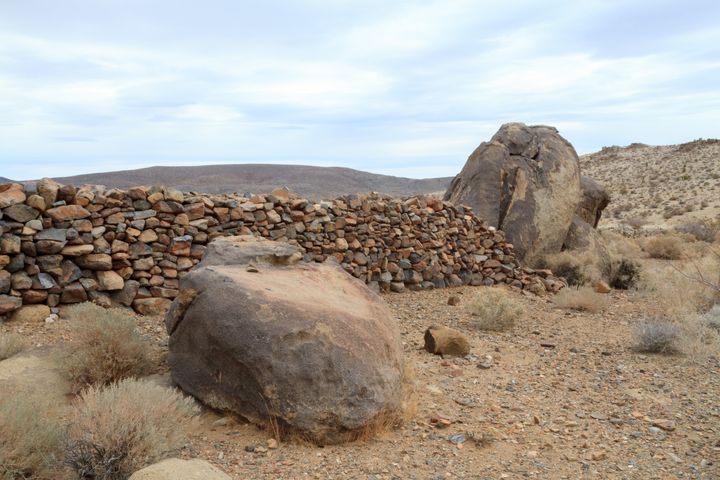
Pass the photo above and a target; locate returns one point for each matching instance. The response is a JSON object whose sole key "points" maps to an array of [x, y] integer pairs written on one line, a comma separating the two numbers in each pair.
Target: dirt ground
{"points": [[565, 397]]}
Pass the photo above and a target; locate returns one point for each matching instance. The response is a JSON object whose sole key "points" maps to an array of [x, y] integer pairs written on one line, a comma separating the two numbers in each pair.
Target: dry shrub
{"points": [[105, 347], [674, 288], [698, 338], [31, 439], [621, 246], [625, 274], [118, 429], [11, 344], [584, 299], [664, 246], [657, 336], [712, 317], [625, 254], [495, 310], [704, 230], [576, 267], [686, 302]]}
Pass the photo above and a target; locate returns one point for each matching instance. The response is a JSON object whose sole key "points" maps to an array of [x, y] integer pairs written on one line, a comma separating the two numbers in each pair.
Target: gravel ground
{"points": [[565, 397]]}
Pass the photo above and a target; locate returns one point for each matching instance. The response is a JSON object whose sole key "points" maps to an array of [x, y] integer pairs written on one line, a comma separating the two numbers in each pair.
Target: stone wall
{"points": [[60, 244]]}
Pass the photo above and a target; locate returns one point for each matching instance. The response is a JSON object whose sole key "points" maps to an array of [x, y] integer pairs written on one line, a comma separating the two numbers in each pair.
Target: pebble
{"points": [[486, 363], [667, 425], [598, 455]]}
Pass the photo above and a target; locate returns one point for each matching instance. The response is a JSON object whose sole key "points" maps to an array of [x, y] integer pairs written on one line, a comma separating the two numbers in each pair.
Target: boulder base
{"points": [[268, 338]]}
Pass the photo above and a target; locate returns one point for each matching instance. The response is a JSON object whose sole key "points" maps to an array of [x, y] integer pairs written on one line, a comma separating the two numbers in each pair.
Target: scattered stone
{"points": [[602, 287], [453, 300], [486, 362], [441, 340], [9, 303], [667, 425]]}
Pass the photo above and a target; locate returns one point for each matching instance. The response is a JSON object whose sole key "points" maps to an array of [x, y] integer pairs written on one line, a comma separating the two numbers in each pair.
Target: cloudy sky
{"points": [[405, 88]]}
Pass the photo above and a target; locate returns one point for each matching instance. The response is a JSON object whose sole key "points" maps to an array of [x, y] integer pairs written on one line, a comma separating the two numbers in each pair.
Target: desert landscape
{"points": [[155, 333]]}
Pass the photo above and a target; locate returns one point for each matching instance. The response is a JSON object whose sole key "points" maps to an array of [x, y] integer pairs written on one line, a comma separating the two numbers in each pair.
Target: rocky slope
{"points": [[310, 182], [658, 185]]}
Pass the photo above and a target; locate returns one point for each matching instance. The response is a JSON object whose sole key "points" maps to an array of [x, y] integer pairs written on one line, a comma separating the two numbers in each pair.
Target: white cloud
{"points": [[397, 87]]}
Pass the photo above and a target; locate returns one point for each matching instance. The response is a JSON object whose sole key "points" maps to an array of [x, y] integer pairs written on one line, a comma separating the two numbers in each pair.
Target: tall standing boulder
{"points": [[305, 345], [525, 181]]}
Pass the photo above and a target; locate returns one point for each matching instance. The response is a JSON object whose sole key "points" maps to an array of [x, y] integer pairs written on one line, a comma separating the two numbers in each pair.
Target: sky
{"points": [[406, 88]]}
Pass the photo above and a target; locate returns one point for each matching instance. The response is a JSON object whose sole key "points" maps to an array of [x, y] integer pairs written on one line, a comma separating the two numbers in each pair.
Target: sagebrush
{"points": [[105, 347], [665, 246], [31, 439], [118, 429], [658, 336], [493, 309]]}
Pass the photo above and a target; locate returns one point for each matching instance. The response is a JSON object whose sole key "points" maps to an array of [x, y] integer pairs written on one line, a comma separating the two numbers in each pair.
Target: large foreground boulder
{"points": [[525, 181], [257, 333]]}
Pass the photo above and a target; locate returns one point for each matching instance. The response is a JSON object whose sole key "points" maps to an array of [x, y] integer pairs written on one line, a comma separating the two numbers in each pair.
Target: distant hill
{"points": [[311, 182], [5, 180], [659, 185]]}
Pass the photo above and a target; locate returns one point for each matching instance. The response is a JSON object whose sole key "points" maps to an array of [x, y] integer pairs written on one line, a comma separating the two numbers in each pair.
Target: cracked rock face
{"points": [[258, 333], [525, 181]]}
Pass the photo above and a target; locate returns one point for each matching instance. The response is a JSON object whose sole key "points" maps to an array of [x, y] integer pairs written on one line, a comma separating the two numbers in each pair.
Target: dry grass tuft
{"points": [[577, 268], [31, 439], [664, 246], [118, 429], [105, 347], [493, 309], [621, 246], [409, 392], [11, 344], [584, 299], [698, 338], [672, 288]]}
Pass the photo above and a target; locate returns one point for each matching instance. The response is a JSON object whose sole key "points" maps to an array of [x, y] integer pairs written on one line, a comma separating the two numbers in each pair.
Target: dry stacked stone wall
{"points": [[60, 244]]}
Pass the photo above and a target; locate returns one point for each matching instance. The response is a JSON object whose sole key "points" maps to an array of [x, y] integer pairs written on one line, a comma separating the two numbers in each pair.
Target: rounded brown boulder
{"points": [[304, 346]]}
